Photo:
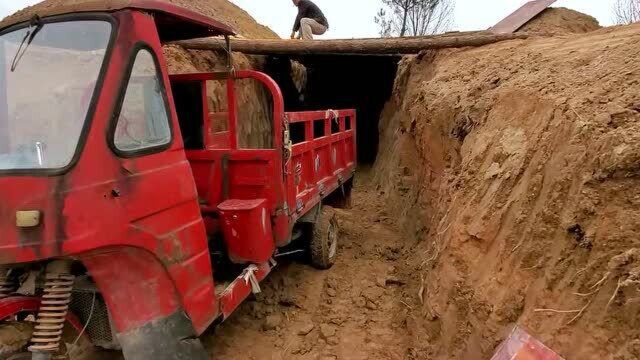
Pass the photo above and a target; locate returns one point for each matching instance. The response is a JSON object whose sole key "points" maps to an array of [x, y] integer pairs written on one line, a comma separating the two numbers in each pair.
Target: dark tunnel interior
{"points": [[341, 82]]}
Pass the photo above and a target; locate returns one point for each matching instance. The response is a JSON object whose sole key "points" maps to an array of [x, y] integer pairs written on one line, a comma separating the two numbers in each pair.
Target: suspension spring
{"points": [[6, 285], [53, 309]]}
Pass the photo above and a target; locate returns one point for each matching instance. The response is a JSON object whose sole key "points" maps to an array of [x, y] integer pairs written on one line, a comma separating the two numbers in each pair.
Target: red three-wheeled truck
{"points": [[130, 215]]}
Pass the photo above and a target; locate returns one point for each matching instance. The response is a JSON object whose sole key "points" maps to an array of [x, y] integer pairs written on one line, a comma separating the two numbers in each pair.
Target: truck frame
{"points": [[154, 223]]}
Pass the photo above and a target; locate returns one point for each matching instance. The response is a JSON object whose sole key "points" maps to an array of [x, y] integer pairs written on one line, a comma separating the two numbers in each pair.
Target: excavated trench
{"points": [[355, 309]]}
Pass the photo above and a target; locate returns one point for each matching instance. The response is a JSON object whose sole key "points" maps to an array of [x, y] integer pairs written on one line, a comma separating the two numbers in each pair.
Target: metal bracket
{"points": [[282, 210], [230, 67], [312, 215]]}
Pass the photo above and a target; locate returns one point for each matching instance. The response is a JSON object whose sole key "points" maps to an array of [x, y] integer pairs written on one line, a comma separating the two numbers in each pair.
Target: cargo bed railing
{"points": [[323, 155]]}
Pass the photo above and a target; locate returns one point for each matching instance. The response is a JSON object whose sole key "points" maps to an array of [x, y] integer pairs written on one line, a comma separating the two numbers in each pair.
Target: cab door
{"points": [[155, 190]]}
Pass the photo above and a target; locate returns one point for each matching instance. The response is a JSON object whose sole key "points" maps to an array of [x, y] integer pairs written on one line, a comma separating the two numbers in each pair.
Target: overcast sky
{"points": [[354, 18]]}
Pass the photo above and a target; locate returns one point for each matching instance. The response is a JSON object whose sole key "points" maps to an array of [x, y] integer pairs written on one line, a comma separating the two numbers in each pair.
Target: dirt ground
{"points": [[355, 310]]}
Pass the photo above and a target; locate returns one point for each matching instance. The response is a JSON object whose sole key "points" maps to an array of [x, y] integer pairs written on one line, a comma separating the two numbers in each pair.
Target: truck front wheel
{"points": [[324, 239]]}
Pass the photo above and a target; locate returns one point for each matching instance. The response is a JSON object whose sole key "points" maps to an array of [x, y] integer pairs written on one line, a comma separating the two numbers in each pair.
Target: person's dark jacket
{"points": [[307, 9]]}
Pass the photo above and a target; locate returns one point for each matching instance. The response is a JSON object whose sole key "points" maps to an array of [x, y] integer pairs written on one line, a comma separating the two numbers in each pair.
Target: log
{"points": [[382, 46]]}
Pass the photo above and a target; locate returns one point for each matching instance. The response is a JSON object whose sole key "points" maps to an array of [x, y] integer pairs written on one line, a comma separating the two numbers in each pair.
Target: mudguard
{"points": [[170, 338], [144, 305]]}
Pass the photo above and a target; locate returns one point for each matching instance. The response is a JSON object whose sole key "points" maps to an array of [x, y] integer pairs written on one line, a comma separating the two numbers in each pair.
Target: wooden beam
{"points": [[409, 45]]}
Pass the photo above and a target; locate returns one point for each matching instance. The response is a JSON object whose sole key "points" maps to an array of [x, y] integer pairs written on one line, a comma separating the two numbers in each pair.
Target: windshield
{"points": [[47, 82]]}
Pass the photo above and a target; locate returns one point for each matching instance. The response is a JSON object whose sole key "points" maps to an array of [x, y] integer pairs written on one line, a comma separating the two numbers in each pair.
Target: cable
{"points": [[93, 303]]}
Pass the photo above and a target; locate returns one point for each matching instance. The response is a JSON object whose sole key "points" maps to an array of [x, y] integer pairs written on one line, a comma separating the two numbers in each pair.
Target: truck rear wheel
{"points": [[324, 239]]}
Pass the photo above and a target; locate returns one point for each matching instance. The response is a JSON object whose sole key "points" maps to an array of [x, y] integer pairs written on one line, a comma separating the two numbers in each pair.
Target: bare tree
{"points": [[431, 17], [384, 23], [627, 11], [414, 17]]}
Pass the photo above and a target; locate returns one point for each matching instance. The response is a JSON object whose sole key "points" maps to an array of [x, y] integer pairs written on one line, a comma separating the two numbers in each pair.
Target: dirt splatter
{"points": [[13, 337]]}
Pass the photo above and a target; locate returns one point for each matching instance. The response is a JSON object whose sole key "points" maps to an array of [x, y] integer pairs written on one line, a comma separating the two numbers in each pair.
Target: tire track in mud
{"points": [[352, 311]]}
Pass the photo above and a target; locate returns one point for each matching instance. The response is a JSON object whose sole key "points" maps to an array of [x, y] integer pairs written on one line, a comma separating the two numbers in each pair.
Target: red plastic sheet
{"points": [[522, 346]]}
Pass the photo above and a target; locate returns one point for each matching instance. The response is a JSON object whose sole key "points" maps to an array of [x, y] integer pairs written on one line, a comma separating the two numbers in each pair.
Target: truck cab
{"points": [[121, 191]]}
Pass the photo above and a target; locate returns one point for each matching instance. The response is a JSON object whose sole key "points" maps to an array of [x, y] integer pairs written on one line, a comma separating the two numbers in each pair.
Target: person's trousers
{"points": [[310, 27]]}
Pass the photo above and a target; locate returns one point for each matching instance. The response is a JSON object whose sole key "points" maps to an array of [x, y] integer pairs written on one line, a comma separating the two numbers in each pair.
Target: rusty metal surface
{"points": [[521, 16]]}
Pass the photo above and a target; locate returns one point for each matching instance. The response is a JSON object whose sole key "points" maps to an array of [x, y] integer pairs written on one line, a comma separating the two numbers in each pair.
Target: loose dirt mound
{"points": [[222, 10], [230, 14], [516, 167], [561, 21]]}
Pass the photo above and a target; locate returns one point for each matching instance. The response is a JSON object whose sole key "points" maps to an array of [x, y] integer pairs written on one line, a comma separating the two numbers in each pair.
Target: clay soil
{"points": [[515, 167], [356, 310], [505, 193]]}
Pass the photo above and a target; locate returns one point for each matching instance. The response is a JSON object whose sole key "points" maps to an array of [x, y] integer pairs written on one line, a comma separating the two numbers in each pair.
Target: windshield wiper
{"points": [[34, 28]]}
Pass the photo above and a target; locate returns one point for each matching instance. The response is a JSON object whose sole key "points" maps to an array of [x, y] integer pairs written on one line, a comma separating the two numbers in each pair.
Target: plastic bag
{"points": [[522, 346]]}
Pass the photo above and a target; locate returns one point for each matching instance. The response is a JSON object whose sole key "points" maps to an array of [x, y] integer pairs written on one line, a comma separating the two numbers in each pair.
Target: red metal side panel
{"points": [[521, 16], [320, 165]]}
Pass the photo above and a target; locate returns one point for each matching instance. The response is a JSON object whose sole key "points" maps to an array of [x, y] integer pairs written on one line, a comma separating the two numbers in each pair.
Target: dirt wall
{"points": [[514, 169]]}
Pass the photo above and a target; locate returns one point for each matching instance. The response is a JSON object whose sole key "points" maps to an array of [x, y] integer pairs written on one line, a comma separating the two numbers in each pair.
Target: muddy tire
{"points": [[323, 247]]}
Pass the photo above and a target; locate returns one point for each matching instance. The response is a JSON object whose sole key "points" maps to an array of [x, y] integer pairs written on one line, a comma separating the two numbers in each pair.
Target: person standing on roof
{"points": [[310, 20]]}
